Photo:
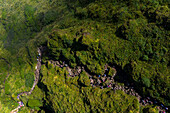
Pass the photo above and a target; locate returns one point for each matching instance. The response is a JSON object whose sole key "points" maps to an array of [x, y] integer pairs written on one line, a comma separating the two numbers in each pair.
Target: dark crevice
{"points": [[78, 46], [46, 107], [80, 83], [29, 55]]}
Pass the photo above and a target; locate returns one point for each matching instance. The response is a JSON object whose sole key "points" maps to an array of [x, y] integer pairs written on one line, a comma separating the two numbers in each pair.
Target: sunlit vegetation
{"points": [[71, 97], [132, 35]]}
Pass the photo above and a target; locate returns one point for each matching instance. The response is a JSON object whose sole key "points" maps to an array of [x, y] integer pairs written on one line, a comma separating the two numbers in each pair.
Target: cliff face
{"points": [[130, 37]]}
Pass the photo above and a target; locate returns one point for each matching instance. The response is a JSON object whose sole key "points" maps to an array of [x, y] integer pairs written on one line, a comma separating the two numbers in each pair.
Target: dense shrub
{"points": [[7, 88], [49, 17], [91, 33], [76, 94], [34, 103], [29, 80], [146, 81], [145, 58], [81, 12], [29, 15]]}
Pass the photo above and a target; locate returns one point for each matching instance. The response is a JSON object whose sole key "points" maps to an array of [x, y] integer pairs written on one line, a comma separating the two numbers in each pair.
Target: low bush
{"points": [[29, 80], [34, 103], [146, 81]]}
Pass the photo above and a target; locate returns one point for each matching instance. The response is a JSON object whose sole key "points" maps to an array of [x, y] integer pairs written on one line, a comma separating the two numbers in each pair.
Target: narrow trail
{"points": [[37, 73], [96, 81]]}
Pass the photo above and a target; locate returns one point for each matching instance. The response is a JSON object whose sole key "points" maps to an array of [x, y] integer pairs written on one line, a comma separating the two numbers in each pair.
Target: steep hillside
{"points": [[126, 40]]}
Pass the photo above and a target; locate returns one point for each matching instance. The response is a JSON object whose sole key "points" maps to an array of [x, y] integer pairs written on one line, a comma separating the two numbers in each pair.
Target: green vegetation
{"points": [[149, 109], [133, 35], [34, 103], [29, 80], [146, 82], [76, 95]]}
